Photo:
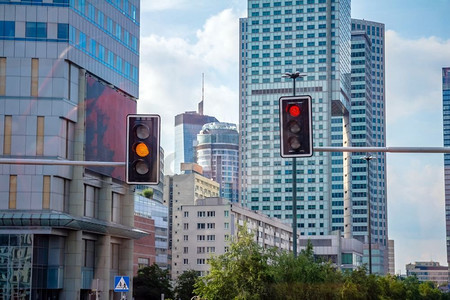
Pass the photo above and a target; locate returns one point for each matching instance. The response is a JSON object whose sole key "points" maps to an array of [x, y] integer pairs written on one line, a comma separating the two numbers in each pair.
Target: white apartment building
{"points": [[207, 226]]}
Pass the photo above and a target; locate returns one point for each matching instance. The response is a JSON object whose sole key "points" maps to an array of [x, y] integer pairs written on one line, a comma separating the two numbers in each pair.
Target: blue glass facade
{"points": [[370, 132], [187, 126], [218, 154], [288, 36], [446, 119]]}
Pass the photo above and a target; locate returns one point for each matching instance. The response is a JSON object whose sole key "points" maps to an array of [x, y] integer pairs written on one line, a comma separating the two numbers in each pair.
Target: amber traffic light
{"points": [[143, 136]]}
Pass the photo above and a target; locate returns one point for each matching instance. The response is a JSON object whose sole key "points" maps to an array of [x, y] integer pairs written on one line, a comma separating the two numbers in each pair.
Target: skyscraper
{"points": [[279, 37], [446, 113], [187, 126], [69, 77], [218, 153], [314, 37], [371, 132]]}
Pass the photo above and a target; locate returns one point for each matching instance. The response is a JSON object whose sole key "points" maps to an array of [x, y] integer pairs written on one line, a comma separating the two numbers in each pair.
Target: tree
{"points": [[150, 283], [241, 273], [184, 288], [147, 193]]}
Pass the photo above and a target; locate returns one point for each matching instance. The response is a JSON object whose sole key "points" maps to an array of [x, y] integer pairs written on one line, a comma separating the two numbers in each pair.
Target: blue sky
{"points": [[182, 39]]}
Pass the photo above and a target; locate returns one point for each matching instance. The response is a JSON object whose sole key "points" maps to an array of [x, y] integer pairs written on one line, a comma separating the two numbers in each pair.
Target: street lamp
{"points": [[294, 173], [368, 158]]}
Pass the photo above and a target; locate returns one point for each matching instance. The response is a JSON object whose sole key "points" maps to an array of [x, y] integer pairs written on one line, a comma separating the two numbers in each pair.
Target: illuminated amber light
{"points": [[142, 150]]}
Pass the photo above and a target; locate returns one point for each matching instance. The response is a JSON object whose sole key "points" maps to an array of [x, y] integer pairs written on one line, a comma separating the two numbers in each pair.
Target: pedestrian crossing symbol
{"points": [[121, 283]]}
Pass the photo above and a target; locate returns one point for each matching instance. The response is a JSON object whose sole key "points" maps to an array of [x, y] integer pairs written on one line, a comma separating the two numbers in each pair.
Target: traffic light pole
{"points": [[294, 178]]}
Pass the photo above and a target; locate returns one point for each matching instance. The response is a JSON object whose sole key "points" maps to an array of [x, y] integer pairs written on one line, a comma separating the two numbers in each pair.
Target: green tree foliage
{"points": [[249, 272], [184, 289], [150, 283], [147, 193], [241, 274]]}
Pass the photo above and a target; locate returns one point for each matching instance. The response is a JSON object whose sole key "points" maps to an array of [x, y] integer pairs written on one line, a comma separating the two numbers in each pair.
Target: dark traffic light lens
{"points": [[141, 167], [142, 131], [294, 110], [294, 143], [294, 127]]}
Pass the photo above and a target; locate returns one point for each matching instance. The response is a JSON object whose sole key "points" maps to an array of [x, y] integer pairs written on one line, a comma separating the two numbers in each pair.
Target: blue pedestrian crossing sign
{"points": [[121, 283]]}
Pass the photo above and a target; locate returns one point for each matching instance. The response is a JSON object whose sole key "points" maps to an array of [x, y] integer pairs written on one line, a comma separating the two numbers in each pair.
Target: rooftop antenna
{"points": [[200, 105]]}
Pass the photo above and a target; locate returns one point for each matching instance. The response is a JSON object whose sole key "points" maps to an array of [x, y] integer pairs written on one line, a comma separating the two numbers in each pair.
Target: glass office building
{"points": [[187, 126], [446, 113], [369, 129], [218, 153], [311, 37], [68, 78]]}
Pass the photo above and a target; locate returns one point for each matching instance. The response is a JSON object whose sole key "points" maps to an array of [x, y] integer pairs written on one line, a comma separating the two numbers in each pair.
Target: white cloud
{"points": [[171, 73], [416, 209], [413, 75]]}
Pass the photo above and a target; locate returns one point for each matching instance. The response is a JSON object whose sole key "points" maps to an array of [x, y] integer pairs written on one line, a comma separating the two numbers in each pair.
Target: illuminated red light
{"points": [[294, 110]]}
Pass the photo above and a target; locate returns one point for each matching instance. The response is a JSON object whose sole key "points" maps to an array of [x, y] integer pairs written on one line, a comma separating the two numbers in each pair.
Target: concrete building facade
{"points": [[428, 271], [69, 74], [180, 190]]}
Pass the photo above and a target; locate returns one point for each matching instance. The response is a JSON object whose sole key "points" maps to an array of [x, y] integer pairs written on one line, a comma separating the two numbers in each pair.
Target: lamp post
{"points": [[294, 174], [368, 158]]}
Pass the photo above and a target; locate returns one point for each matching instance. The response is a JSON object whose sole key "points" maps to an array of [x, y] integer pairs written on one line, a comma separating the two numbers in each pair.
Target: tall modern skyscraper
{"points": [[218, 153], [369, 129], [68, 78], [288, 36], [446, 112], [187, 126], [312, 37]]}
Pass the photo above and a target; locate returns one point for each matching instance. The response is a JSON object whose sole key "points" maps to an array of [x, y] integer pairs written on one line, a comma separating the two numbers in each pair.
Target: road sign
{"points": [[121, 283]]}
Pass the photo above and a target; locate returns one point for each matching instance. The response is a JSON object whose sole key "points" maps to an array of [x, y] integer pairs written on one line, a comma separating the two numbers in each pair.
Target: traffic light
{"points": [[296, 126], [142, 164]]}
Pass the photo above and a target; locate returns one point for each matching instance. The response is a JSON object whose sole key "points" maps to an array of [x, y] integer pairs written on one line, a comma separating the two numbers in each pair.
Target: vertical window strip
{"points": [[40, 136], [7, 135], [2, 76], [46, 192], [34, 77], [12, 191]]}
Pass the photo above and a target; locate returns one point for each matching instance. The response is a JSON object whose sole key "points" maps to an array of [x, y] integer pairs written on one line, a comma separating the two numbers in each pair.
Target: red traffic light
{"points": [[294, 110]]}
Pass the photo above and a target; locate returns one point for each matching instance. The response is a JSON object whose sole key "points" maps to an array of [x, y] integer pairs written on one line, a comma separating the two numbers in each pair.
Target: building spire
{"points": [[200, 105]]}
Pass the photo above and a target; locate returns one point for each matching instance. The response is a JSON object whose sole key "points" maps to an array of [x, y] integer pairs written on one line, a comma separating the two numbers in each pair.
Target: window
{"points": [[185, 261], [34, 77], [185, 250], [46, 192], [211, 214], [142, 262], [115, 257], [40, 136], [63, 31], [12, 192], [36, 30], [185, 238], [7, 135], [88, 254], [201, 261], [210, 237], [201, 226], [116, 207], [211, 225], [7, 28], [90, 201], [186, 214], [185, 226]]}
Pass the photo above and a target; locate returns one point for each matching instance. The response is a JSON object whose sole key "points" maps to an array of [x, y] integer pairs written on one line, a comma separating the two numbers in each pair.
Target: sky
{"points": [[182, 39]]}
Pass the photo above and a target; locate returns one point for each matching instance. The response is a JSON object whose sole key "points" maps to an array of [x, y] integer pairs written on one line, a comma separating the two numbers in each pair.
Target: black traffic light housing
{"points": [[143, 137], [296, 126]]}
